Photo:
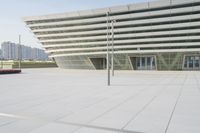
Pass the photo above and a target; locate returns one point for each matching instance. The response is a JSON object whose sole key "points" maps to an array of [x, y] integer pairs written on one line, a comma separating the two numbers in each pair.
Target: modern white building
{"points": [[157, 35]]}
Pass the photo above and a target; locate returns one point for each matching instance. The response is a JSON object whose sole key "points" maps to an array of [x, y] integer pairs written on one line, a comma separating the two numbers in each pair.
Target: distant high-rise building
{"points": [[9, 50], [1, 54], [39, 54], [12, 51]]}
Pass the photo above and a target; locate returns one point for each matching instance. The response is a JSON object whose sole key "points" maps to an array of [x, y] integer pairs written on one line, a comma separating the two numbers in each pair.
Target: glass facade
{"points": [[145, 63], [99, 63], [160, 61], [192, 62]]}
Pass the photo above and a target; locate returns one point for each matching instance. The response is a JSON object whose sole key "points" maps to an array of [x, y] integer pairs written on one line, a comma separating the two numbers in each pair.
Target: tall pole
{"points": [[108, 57], [113, 21], [19, 52]]}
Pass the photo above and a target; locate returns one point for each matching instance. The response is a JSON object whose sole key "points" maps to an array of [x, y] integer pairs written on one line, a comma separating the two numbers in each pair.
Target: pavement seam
{"points": [[175, 105], [198, 84], [145, 106], [66, 123], [131, 97]]}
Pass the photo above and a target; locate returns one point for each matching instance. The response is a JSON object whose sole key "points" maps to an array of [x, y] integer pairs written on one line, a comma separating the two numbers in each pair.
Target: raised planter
{"points": [[9, 71]]}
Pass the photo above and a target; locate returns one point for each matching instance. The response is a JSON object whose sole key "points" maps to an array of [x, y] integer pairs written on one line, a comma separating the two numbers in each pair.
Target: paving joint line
{"points": [[145, 106], [131, 97], [67, 123], [176, 103], [198, 84]]}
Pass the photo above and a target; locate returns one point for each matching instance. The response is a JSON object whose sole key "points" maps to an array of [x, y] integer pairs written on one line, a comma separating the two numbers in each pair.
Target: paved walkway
{"points": [[63, 101]]}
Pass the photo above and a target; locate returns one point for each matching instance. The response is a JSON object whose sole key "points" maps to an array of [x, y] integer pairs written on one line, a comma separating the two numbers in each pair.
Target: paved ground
{"points": [[63, 101]]}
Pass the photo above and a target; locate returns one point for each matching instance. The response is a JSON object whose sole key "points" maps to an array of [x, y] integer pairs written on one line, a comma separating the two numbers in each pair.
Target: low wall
{"points": [[27, 64]]}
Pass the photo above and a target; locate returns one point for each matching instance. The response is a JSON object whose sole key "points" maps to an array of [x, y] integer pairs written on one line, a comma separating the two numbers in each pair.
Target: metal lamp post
{"points": [[108, 57], [19, 52], [112, 61]]}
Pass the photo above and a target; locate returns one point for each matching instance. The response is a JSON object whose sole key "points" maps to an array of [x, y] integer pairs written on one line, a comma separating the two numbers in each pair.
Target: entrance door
{"points": [[192, 62], [145, 63]]}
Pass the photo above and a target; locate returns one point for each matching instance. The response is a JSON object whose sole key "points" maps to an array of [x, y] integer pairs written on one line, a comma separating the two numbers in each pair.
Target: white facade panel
{"points": [[164, 26]]}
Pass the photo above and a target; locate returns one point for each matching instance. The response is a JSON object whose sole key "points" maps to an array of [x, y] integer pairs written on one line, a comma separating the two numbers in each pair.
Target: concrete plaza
{"points": [[78, 101]]}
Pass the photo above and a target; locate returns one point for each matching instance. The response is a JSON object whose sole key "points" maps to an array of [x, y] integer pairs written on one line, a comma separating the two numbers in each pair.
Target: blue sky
{"points": [[12, 11]]}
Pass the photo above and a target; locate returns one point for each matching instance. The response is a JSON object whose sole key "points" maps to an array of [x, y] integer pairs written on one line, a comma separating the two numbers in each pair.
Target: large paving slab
{"points": [[79, 101]]}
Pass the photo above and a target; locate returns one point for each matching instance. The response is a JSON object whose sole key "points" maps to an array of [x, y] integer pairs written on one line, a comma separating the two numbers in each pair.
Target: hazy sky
{"points": [[12, 11]]}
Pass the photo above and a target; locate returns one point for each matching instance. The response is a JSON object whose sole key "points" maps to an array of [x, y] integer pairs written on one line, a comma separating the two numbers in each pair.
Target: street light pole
{"points": [[113, 21], [19, 52], [108, 57]]}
